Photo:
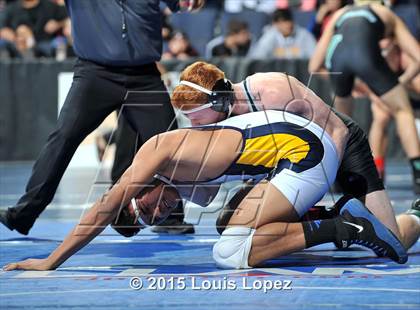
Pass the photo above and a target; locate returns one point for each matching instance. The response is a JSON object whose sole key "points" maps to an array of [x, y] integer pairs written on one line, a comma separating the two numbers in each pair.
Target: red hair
{"points": [[201, 73]]}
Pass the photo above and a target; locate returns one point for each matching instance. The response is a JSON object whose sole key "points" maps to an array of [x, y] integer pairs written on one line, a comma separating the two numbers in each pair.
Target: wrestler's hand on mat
{"points": [[30, 264]]}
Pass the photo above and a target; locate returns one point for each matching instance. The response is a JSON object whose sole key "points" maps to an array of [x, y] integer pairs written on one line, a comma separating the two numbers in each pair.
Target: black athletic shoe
{"points": [[6, 221], [174, 227], [415, 208], [359, 226], [415, 167]]}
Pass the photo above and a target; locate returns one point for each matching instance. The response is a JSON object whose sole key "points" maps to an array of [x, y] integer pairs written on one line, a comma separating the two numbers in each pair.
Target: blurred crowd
{"points": [[287, 29], [34, 28]]}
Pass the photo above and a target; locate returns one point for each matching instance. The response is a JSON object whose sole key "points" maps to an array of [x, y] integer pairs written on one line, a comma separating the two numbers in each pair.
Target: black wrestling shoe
{"points": [[337, 208], [174, 227], [359, 226], [415, 208], [415, 167]]}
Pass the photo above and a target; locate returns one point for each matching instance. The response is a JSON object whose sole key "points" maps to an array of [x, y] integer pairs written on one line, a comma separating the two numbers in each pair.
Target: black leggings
{"points": [[364, 62]]}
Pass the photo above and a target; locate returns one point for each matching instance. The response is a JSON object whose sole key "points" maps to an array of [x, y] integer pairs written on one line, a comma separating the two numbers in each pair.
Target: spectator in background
{"points": [[63, 45], [42, 20], [4, 3], [323, 15], [236, 42], [167, 31], [24, 42], [59, 2], [179, 47], [284, 39], [303, 5], [350, 45], [236, 6], [2, 7], [398, 62], [214, 4]]}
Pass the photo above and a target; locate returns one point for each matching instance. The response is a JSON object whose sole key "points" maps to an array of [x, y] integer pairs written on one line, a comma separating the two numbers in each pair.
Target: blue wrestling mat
{"points": [[177, 272]]}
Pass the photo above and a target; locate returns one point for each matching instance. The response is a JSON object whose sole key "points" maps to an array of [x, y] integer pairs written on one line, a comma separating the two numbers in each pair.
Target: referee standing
{"points": [[118, 43]]}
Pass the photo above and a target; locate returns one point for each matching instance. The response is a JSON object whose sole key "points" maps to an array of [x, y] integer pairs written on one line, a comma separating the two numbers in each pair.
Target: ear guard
{"points": [[220, 98]]}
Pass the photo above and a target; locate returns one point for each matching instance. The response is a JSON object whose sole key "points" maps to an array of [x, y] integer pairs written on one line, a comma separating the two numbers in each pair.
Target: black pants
{"points": [[127, 143], [96, 92]]}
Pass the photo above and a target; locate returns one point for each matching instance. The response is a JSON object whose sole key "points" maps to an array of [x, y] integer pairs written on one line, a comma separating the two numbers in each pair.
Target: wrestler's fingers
{"points": [[11, 266]]}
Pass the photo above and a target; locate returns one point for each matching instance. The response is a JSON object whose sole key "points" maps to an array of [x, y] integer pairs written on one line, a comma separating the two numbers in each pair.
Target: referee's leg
{"points": [[146, 112], [150, 113], [90, 99], [127, 143]]}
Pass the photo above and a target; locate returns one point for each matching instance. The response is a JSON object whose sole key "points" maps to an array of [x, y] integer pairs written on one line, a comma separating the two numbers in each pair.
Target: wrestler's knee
{"points": [[233, 248]]}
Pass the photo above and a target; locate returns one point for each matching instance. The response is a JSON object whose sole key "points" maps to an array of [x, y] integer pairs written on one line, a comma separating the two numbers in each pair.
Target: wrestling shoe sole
{"points": [[382, 233]]}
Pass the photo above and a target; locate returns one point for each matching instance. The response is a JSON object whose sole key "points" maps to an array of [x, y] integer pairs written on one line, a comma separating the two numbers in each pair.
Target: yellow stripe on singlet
{"points": [[268, 150]]}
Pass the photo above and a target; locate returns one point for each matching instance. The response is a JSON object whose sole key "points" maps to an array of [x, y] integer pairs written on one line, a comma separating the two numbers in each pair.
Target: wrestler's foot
{"points": [[415, 208], [360, 226], [415, 166]]}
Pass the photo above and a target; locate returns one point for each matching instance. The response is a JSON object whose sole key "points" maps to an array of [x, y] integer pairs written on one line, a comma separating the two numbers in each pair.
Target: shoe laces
{"points": [[374, 247]]}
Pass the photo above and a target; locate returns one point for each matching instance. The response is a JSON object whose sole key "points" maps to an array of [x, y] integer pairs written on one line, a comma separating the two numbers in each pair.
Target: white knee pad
{"points": [[233, 247]]}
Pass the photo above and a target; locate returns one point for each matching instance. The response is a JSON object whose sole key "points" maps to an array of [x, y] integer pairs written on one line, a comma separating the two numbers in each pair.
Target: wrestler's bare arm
{"points": [[176, 152], [151, 158], [200, 155]]}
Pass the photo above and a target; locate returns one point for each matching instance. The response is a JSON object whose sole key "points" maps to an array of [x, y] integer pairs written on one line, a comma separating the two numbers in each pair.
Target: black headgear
{"points": [[220, 97]]}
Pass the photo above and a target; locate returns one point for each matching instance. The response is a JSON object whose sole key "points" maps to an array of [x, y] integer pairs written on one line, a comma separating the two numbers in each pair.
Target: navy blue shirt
{"points": [[118, 32]]}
